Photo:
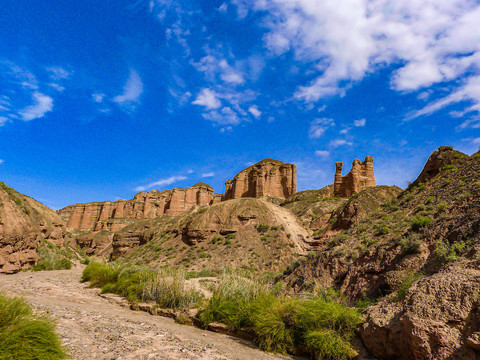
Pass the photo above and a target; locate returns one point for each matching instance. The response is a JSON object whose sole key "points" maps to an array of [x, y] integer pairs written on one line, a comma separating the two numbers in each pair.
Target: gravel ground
{"points": [[95, 327]]}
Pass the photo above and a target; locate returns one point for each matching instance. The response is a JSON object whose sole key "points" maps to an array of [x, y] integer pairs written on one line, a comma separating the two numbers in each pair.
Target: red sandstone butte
{"points": [[266, 178], [360, 177], [150, 204]]}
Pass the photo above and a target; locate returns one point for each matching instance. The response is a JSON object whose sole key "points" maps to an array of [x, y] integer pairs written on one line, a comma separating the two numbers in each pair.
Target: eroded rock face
{"points": [[440, 158], [359, 178], [24, 222], [439, 319], [98, 216], [266, 178]]}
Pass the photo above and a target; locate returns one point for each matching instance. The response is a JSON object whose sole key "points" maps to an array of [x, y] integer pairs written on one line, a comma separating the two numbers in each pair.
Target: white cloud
{"points": [[161, 182], [319, 126], [57, 87], [98, 97], [254, 111], [208, 174], [208, 98], [340, 142], [322, 153], [3, 120], [359, 123], [132, 91], [42, 104], [1, 161], [430, 41], [476, 141], [58, 73], [223, 8], [226, 116], [226, 129]]}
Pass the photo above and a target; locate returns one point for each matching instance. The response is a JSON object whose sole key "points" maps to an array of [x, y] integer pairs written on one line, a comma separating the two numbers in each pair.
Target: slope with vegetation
{"points": [[418, 258], [246, 232], [24, 224]]}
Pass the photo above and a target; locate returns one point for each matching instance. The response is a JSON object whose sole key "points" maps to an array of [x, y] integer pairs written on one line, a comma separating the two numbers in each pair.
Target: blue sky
{"points": [[99, 100]]}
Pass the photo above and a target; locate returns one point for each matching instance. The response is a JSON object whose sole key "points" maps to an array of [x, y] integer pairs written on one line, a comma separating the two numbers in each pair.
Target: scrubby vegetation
{"points": [[53, 257], [25, 335], [165, 286], [282, 323]]}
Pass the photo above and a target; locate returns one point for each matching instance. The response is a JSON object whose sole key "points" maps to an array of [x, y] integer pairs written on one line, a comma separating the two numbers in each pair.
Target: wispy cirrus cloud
{"points": [[318, 127], [162, 182], [208, 174], [132, 91], [23, 96], [42, 104], [429, 41]]}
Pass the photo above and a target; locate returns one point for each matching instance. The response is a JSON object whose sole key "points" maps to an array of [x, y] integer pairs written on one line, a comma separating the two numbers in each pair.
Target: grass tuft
{"points": [[26, 336]]}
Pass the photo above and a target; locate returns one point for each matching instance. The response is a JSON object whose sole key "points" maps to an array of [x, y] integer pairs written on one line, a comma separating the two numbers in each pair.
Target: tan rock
{"points": [[359, 178], [266, 178], [24, 222], [97, 216]]}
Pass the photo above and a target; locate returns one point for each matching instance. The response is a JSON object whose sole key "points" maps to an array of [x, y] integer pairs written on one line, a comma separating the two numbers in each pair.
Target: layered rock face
{"points": [[266, 178], [24, 223], [359, 178], [98, 216]]}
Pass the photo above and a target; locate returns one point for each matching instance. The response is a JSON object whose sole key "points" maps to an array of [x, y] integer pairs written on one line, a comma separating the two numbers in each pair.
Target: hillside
{"points": [[246, 232], [429, 232], [24, 223]]}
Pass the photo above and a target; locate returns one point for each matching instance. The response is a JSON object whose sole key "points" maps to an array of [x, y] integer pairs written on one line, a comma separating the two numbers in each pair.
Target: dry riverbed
{"points": [[94, 327]]}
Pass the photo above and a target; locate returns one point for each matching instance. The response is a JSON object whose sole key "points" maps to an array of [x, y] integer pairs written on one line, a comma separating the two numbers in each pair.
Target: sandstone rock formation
{"points": [[360, 177], [266, 178], [24, 223], [440, 158], [438, 319], [113, 216], [223, 234]]}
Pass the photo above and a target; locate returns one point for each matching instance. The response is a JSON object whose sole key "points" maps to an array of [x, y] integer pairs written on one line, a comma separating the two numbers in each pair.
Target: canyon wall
{"points": [[113, 216], [360, 177], [266, 178]]}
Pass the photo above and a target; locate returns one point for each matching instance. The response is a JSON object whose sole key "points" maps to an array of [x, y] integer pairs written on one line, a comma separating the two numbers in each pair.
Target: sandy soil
{"points": [[95, 327]]}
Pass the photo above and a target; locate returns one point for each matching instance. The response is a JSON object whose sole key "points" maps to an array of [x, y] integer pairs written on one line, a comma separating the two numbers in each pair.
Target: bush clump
{"points": [[281, 324], [167, 287], [25, 335], [420, 222], [51, 260]]}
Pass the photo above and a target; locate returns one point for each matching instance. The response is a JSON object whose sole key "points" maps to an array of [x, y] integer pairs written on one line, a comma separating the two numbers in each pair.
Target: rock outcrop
{"points": [[239, 233], [266, 178], [359, 178], [24, 223], [438, 319], [113, 216]]}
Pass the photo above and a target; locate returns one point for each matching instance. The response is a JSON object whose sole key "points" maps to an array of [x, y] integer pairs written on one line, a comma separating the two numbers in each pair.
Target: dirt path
{"points": [[93, 327]]}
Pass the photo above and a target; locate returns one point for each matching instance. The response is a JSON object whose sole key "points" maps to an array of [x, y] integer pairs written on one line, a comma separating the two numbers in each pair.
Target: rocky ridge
{"points": [[24, 224], [429, 232]]}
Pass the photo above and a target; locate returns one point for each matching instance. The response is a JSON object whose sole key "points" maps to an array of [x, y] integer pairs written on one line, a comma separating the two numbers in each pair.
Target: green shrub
{"points": [[26, 336], [430, 200], [51, 259], [442, 206], [262, 228], [420, 222], [216, 239], [326, 344], [410, 245], [280, 324], [165, 286], [406, 283], [230, 236], [450, 168], [446, 252]]}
